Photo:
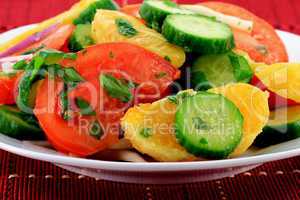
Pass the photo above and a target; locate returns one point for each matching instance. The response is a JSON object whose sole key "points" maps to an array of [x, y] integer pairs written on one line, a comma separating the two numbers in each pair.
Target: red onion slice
{"points": [[28, 41]]}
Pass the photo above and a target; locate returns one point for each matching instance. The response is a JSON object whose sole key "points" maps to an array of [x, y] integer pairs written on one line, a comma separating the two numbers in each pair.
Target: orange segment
{"points": [[158, 120], [282, 78], [253, 104]]}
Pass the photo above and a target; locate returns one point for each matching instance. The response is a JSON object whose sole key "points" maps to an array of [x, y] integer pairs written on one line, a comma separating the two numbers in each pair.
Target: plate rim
{"points": [[149, 166]]}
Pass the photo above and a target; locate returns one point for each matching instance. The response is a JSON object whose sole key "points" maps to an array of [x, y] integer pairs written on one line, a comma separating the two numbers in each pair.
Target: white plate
{"points": [[159, 173]]}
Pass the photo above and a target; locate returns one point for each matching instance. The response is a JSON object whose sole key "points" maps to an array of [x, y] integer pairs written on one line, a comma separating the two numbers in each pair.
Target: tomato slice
{"points": [[56, 40], [149, 72], [263, 44], [132, 9], [65, 136], [7, 86], [152, 73]]}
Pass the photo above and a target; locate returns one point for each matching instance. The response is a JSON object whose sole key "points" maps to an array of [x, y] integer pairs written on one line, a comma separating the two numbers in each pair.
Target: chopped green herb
{"points": [[146, 132], [20, 65], [167, 58], [63, 97], [200, 124], [116, 88], [125, 28], [53, 56], [203, 141], [37, 65], [96, 130], [111, 55], [34, 50], [84, 51], [173, 99], [84, 106], [71, 75], [262, 49], [160, 75]]}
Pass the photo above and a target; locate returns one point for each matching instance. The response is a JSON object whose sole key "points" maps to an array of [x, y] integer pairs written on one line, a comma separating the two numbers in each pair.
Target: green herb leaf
{"points": [[84, 106], [173, 99], [96, 130], [146, 132], [20, 65], [160, 75], [34, 50], [71, 75], [63, 97], [125, 27], [200, 124], [116, 88], [167, 58], [53, 56]]}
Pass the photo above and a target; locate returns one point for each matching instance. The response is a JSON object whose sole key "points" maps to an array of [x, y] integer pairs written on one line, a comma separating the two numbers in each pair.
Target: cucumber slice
{"points": [[216, 70], [198, 34], [81, 37], [208, 125], [18, 125], [155, 12], [87, 15], [283, 125]]}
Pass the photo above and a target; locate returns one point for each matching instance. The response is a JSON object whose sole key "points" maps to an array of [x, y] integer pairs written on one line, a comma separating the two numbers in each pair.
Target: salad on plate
{"points": [[157, 81]]}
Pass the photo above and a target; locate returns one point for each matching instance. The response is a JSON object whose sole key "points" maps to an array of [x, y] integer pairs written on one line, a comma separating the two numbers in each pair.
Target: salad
{"points": [[156, 81]]}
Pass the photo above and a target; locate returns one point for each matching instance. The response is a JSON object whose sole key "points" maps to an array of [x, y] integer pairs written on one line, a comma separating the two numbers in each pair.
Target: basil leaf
{"points": [[20, 65], [53, 56], [146, 132], [116, 88], [84, 106], [125, 27], [71, 75], [34, 50], [96, 130], [241, 68]]}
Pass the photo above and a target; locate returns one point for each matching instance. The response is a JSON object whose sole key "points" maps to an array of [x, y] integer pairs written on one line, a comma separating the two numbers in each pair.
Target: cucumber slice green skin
{"points": [[176, 33], [87, 15], [215, 70], [155, 12], [80, 38], [272, 135], [221, 125], [18, 125]]}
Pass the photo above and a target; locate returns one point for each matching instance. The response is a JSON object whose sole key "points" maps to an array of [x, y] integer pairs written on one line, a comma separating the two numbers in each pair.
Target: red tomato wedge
{"points": [[153, 74], [56, 40], [7, 86], [65, 136], [149, 72], [132, 10], [263, 44]]}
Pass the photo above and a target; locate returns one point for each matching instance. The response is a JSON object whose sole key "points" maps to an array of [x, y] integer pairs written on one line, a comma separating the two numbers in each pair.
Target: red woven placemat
{"points": [[22, 178]]}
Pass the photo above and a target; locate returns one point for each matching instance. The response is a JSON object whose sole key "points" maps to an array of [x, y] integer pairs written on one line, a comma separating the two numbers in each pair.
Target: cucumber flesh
{"points": [[19, 125], [216, 70], [87, 15], [155, 12], [208, 125], [81, 38], [283, 125], [198, 34]]}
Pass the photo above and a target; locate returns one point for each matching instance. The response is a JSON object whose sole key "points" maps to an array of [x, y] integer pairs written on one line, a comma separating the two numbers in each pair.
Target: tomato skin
{"points": [[65, 137], [56, 40], [275, 100], [133, 10], [134, 63], [263, 35], [7, 88]]}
